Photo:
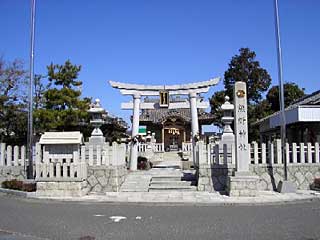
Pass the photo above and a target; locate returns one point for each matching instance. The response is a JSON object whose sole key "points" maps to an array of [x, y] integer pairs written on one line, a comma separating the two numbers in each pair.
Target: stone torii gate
{"points": [[137, 91]]}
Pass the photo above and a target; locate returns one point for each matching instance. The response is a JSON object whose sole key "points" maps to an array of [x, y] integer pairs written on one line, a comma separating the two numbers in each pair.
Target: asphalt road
{"points": [[34, 219]]}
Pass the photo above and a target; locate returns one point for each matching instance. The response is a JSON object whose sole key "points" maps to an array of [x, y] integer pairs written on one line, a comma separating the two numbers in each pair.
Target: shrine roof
{"points": [[160, 115]]}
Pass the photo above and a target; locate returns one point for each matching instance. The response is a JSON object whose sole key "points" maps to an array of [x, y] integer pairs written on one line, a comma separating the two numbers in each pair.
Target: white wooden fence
{"points": [[155, 147], [12, 156], [64, 162], [271, 153], [59, 166], [215, 154], [105, 155], [186, 147]]}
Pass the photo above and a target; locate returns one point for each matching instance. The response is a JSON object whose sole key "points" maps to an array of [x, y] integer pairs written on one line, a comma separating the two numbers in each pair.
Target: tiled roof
{"points": [[160, 115]]}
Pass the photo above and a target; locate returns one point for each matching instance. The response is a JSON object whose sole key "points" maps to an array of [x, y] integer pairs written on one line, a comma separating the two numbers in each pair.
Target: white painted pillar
{"points": [[135, 131], [194, 123], [194, 114]]}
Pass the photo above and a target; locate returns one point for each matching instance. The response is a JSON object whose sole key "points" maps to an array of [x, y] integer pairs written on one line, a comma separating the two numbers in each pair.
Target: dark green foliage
{"points": [[244, 67], [113, 131], [63, 109], [217, 99], [292, 92], [19, 185]]}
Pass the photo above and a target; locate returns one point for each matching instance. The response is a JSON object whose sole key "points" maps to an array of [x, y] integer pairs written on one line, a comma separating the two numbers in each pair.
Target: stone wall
{"points": [[302, 175], [12, 172], [213, 178], [102, 179], [62, 189]]}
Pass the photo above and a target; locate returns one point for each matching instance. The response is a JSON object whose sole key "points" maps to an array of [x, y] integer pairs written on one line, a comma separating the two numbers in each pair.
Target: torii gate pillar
{"points": [[135, 132]]}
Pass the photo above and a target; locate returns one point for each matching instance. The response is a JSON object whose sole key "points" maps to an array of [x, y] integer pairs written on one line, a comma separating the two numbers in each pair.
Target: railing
{"points": [[221, 154], [105, 155], [186, 147], [158, 147], [12, 156], [52, 165], [271, 153], [155, 147], [59, 167]]}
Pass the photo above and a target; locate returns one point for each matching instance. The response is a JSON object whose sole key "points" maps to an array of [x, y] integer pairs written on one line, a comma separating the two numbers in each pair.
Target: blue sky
{"points": [[161, 42]]}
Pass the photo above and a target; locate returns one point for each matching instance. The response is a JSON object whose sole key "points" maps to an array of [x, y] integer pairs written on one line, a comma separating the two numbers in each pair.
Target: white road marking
{"points": [[138, 217], [117, 218], [98, 215]]}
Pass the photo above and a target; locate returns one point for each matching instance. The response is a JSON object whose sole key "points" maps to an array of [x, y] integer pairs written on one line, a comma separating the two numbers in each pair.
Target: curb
{"points": [[220, 202], [18, 193]]}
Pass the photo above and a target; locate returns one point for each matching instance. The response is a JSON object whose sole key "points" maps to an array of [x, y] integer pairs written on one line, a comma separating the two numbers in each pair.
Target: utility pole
{"points": [[30, 112], [284, 186]]}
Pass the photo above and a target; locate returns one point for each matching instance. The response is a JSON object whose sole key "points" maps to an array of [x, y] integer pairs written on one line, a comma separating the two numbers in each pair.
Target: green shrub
{"points": [[316, 182], [19, 185]]}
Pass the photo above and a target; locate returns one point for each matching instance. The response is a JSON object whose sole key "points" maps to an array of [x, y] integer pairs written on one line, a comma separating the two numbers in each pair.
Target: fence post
{"points": [[309, 153], [316, 152], [98, 155], [279, 151], [263, 153], [38, 160], [9, 155], [83, 154], [2, 154], [255, 153], [271, 153], [114, 153], [90, 155], [302, 157], [23, 155], [287, 153], [233, 154], [216, 154], [294, 153], [208, 153], [15, 156]]}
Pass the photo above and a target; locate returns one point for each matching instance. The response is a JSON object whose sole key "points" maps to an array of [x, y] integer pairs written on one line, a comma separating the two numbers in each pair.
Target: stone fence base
{"points": [[215, 178], [302, 175], [12, 172], [242, 186], [102, 179], [62, 189]]}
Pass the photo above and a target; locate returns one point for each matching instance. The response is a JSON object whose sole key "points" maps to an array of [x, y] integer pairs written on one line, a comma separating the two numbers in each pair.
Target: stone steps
{"points": [[173, 188], [166, 183]]}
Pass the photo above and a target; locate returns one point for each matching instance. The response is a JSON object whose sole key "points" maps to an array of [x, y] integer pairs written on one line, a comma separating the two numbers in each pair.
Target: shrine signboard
{"points": [[241, 127]]}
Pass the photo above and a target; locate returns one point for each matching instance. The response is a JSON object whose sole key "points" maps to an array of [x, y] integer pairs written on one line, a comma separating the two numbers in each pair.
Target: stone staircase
{"points": [[165, 176]]}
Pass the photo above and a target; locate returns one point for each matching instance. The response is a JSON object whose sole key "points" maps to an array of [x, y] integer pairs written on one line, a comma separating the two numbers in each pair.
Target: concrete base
{"points": [[242, 186], [61, 189], [286, 187]]}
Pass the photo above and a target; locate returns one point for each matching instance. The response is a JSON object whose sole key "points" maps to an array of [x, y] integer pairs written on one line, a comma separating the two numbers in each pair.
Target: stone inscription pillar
{"points": [[135, 131], [241, 127]]}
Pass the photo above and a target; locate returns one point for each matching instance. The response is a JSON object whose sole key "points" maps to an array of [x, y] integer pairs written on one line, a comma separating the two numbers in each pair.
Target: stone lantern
{"points": [[227, 119], [96, 113]]}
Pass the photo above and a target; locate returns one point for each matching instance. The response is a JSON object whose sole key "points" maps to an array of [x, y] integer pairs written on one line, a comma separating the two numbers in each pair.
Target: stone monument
{"points": [[243, 183]]}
